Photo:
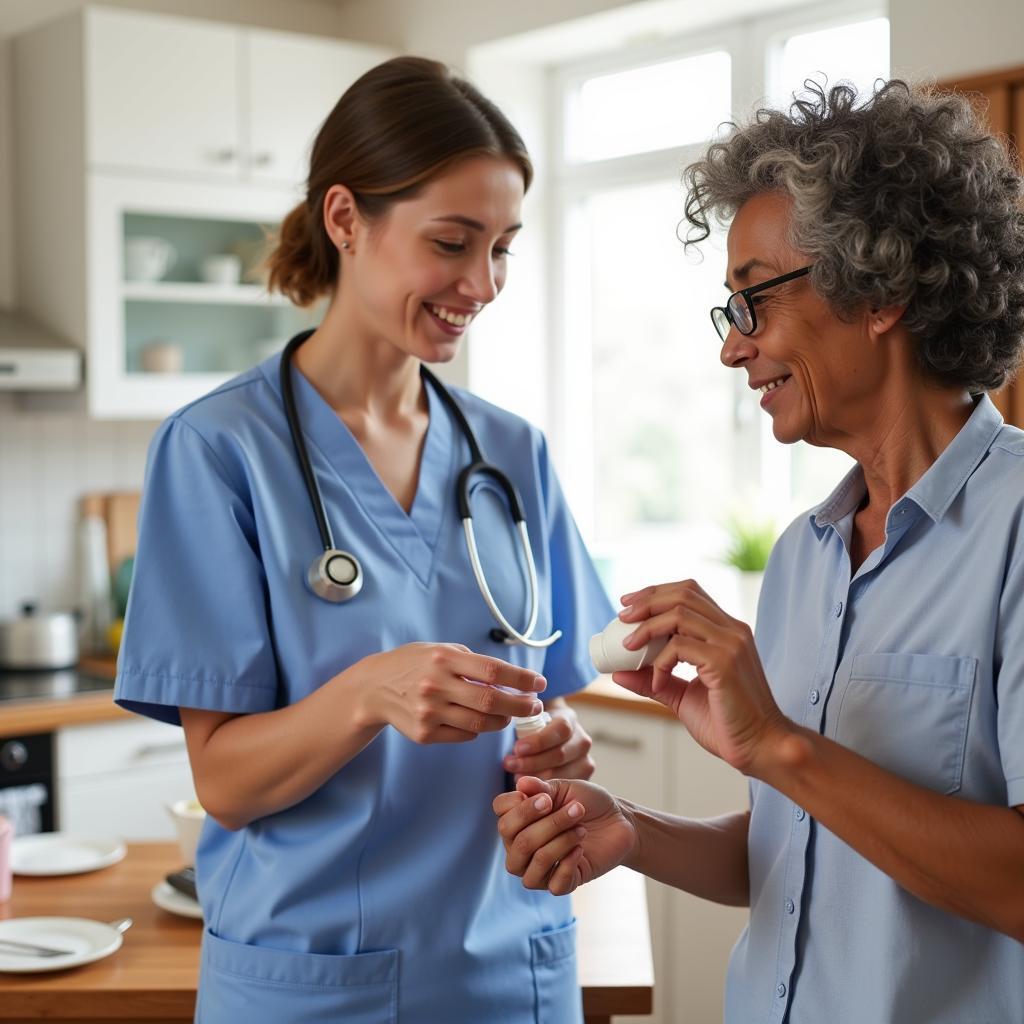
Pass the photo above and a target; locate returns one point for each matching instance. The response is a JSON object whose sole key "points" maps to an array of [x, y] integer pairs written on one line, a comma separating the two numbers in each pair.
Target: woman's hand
{"points": [[561, 750], [728, 708], [559, 835], [444, 693]]}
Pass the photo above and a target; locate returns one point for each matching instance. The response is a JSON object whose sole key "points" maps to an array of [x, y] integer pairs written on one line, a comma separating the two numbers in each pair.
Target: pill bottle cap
{"points": [[531, 724]]}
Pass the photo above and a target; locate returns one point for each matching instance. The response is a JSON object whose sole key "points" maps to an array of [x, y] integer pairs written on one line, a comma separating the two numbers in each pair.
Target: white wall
{"points": [[949, 38]]}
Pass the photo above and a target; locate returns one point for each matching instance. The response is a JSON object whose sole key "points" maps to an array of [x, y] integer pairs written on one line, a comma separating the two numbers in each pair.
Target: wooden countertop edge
{"points": [[602, 692], [46, 715], [25, 717]]}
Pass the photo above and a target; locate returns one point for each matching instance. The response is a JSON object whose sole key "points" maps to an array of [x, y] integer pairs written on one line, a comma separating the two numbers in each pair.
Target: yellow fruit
{"points": [[114, 631]]}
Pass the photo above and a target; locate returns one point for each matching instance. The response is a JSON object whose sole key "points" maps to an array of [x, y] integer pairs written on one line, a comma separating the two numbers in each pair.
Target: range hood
{"points": [[32, 359]]}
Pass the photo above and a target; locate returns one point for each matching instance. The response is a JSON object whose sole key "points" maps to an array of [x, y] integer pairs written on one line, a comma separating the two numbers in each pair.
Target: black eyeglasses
{"points": [[738, 310]]}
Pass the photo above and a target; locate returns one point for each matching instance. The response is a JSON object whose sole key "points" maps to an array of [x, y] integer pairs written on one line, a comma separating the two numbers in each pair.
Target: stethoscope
{"points": [[337, 576]]}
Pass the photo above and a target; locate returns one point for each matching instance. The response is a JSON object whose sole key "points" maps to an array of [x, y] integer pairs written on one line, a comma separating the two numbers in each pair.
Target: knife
{"points": [[9, 945]]}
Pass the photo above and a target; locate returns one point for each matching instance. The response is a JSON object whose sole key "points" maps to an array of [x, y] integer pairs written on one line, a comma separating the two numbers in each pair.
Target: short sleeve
{"points": [[1009, 675], [579, 604], [196, 630]]}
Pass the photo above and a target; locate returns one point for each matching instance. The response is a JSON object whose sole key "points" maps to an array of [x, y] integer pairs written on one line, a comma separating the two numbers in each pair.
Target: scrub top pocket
{"points": [[909, 713], [260, 985], [555, 984]]}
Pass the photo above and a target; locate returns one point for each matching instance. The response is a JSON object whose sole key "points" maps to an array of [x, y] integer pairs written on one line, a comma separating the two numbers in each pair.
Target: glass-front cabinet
{"points": [[190, 306], [155, 156]]}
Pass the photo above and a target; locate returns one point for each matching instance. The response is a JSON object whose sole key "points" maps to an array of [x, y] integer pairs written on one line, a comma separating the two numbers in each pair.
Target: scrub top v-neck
{"points": [[382, 896]]}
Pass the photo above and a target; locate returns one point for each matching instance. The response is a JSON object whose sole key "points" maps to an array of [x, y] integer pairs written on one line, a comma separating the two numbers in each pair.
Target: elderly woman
{"points": [[876, 271]]}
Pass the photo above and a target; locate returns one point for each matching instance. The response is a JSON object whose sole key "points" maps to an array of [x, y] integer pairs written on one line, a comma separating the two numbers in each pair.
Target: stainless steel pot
{"points": [[39, 640]]}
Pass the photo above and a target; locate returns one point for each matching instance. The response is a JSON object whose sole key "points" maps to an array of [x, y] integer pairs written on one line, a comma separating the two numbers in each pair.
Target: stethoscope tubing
{"points": [[333, 590]]}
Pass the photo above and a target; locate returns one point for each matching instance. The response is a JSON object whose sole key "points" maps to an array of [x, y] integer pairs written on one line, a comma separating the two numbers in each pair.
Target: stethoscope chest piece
{"points": [[335, 576]]}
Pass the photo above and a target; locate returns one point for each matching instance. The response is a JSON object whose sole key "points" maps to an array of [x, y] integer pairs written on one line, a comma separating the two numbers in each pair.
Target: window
{"points": [[666, 443], [626, 112], [656, 443]]}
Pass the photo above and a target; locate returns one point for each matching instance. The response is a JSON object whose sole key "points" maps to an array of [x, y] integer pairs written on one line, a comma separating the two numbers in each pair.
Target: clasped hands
{"points": [[563, 833]]}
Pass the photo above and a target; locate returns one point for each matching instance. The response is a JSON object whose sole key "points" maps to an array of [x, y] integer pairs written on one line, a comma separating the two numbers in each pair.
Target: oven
{"points": [[28, 782]]}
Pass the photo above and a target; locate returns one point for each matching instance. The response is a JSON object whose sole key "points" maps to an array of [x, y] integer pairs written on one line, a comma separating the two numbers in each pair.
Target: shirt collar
{"points": [[941, 482]]}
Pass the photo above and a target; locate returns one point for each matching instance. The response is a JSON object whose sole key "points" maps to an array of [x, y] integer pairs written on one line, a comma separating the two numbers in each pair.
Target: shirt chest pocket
{"points": [[908, 713]]}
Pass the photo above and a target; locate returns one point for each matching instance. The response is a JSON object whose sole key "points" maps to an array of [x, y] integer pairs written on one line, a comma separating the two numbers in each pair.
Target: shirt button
{"points": [[800, 814], [838, 609], [781, 990], [814, 695], [790, 906]]}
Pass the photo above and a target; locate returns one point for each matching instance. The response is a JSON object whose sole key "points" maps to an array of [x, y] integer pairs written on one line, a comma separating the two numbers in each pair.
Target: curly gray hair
{"points": [[904, 199]]}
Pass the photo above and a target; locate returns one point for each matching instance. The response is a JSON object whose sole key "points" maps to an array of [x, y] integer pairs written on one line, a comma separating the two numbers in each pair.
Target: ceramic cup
{"points": [[161, 357], [6, 835], [188, 817], [608, 654], [221, 268], [147, 259]]}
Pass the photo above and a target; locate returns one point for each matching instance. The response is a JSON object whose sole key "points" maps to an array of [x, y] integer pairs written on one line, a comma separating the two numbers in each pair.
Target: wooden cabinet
{"points": [[1000, 95], [649, 758], [132, 125]]}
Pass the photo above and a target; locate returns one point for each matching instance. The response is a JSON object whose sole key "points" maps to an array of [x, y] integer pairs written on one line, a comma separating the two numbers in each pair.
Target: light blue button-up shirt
{"points": [[917, 663]]}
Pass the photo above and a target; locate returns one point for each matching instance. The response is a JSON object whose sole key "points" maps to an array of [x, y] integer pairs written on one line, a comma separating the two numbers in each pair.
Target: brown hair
{"points": [[393, 130]]}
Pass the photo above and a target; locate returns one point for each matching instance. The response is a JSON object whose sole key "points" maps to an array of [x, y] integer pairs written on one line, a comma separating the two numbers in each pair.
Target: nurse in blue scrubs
{"points": [[347, 752]]}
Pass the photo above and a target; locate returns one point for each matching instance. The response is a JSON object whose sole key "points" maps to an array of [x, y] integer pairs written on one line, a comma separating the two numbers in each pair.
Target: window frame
{"points": [[755, 47]]}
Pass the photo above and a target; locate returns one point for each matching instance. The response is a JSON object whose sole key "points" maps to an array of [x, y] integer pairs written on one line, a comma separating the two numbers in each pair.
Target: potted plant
{"points": [[750, 543]]}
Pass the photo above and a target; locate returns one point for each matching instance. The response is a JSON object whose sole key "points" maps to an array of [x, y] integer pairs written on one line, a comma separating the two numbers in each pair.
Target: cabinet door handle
{"points": [[622, 742], [223, 156], [264, 159], [156, 749]]}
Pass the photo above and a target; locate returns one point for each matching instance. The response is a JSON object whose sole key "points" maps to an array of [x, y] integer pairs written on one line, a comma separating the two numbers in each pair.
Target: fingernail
{"points": [[629, 639], [511, 764], [539, 683], [575, 810], [536, 708], [579, 831], [521, 748], [542, 803]]}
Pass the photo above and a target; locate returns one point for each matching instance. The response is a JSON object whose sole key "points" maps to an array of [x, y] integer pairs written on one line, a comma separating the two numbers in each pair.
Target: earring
{"points": [[345, 245]]}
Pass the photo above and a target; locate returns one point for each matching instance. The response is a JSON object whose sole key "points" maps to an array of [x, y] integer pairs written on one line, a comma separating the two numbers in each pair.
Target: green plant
{"points": [[750, 543]]}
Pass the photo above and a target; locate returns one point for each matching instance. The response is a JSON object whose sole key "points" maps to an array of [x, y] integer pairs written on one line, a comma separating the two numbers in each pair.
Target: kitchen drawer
{"points": [[128, 745], [132, 807]]}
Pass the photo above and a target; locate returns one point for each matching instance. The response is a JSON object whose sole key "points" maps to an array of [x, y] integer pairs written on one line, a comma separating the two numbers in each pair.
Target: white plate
{"points": [[85, 941], [166, 897], [60, 853]]}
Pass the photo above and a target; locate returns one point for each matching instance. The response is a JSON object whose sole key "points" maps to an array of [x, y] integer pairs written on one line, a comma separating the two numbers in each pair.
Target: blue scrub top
{"points": [[916, 661], [383, 896]]}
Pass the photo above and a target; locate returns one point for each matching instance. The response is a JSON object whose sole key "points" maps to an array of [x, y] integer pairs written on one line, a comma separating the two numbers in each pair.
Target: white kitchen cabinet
{"points": [[651, 760], [293, 84], [137, 124], [163, 93], [172, 95], [115, 778]]}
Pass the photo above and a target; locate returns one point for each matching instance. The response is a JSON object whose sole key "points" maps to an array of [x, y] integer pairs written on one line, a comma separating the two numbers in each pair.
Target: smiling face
{"points": [[820, 376], [418, 276]]}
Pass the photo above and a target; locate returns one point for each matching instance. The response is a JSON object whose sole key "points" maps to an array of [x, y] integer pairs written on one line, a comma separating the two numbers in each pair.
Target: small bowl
{"points": [[188, 817]]}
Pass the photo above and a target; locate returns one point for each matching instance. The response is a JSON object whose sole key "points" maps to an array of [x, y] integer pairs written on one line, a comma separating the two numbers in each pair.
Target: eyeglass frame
{"points": [[746, 293]]}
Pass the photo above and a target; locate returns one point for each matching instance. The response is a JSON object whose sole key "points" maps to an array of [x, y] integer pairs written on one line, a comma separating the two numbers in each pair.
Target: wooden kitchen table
{"points": [[152, 977]]}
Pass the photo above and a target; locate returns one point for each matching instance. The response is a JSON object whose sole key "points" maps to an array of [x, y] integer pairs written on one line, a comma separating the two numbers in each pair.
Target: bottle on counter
{"points": [[94, 600]]}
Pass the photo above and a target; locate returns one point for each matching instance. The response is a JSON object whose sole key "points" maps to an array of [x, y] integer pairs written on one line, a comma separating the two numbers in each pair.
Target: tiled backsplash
{"points": [[49, 457]]}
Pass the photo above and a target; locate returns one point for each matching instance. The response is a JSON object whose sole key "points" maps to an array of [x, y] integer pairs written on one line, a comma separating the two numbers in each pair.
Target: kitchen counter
{"points": [[152, 978], [45, 714]]}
